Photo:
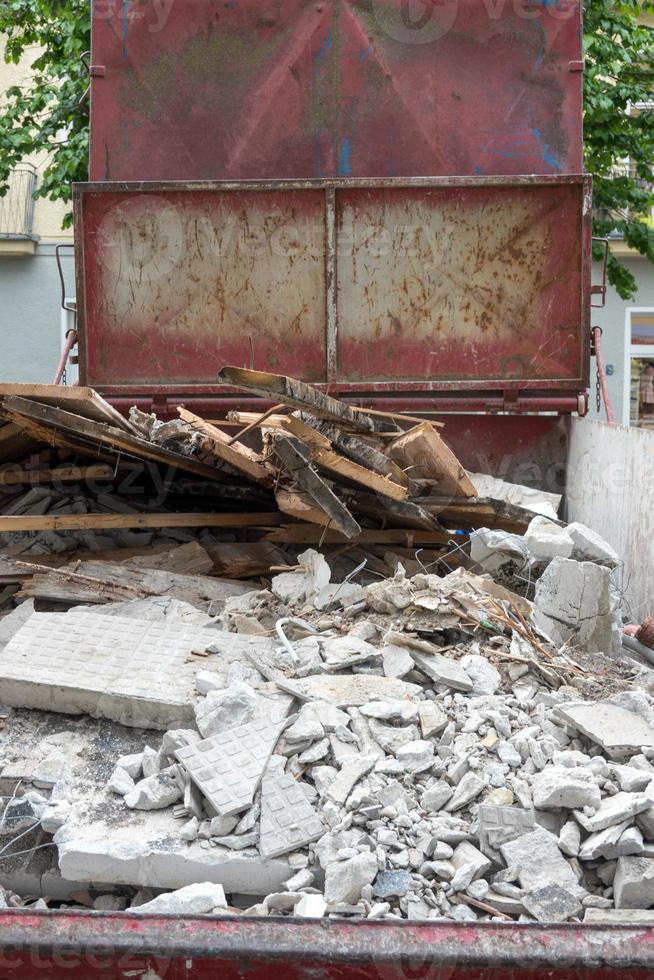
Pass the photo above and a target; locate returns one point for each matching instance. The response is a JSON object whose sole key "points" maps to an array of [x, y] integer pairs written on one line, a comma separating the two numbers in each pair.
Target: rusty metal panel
{"points": [[207, 89], [461, 285], [86, 944], [176, 284], [472, 283]]}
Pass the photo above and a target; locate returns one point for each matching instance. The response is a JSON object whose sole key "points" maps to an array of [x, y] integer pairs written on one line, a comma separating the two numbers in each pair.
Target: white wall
{"points": [[610, 487], [30, 321]]}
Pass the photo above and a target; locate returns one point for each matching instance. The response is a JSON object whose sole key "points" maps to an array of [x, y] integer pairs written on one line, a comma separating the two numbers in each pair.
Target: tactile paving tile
{"points": [[130, 670], [227, 768], [288, 821], [499, 824]]}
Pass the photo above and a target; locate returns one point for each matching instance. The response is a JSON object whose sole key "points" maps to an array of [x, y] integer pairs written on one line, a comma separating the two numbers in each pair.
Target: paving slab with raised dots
{"points": [[288, 821], [227, 768], [129, 670]]}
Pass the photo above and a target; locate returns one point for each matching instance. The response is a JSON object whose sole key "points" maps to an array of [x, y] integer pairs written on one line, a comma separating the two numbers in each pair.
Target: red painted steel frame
{"points": [[471, 292], [93, 945], [208, 89]]}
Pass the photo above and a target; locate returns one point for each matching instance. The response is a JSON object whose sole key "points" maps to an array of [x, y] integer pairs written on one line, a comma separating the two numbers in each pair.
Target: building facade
{"points": [[30, 290]]}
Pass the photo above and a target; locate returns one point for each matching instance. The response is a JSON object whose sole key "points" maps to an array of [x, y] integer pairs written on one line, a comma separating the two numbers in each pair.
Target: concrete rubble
{"points": [[425, 745]]}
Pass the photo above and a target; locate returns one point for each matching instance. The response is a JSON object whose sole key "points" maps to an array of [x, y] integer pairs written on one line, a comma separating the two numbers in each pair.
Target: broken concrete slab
{"points": [[196, 899], [574, 603], [559, 786], [12, 622], [288, 821], [633, 884], [614, 810], [500, 824], [546, 539], [442, 670], [347, 691], [228, 768], [350, 774], [539, 861], [588, 545], [132, 671], [618, 731]]}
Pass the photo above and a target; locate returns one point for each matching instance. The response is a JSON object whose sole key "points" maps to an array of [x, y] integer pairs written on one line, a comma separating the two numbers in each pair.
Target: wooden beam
{"points": [[299, 394], [355, 448], [235, 454], [322, 454], [297, 465], [81, 401], [64, 474], [80, 522], [422, 454], [300, 505], [310, 534], [73, 431]]}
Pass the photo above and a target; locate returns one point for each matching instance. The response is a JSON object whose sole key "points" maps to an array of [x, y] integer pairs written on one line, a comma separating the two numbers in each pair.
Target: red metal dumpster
{"points": [[164, 948], [465, 291], [202, 89]]}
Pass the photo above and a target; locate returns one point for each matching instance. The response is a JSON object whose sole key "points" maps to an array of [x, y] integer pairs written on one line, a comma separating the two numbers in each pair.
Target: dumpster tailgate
{"points": [[92, 944]]}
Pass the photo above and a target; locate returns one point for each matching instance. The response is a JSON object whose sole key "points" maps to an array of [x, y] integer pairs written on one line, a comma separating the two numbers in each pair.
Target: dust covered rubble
{"points": [[414, 748]]}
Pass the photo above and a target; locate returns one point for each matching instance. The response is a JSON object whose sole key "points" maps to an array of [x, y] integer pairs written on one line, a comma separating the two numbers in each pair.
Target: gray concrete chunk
{"points": [[442, 670], [618, 731], [633, 884], [558, 786], [539, 861], [552, 903]]}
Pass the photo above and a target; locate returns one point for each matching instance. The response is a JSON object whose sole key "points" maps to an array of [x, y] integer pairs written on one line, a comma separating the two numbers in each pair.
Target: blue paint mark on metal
{"points": [[324, 47], [477, 169], [319, 170], [546, 151], [125, 24], [344, 167], [365, 53]]}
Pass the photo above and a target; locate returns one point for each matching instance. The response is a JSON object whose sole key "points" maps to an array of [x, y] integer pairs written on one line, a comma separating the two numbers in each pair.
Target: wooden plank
{"points": [[73, 432], [394, 416], [355, 448], [217, 444], [183, 559], [322, 454], [297, 393], [244, 559], [298, 467], [81, 401], [310, 534], [300, 505], [100, 582], [340, 467], [422, 454], [80, 522], [62, 474]]}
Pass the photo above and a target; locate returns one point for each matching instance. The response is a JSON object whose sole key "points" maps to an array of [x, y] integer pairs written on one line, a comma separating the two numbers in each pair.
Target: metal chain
{"points": [[598, 391]]}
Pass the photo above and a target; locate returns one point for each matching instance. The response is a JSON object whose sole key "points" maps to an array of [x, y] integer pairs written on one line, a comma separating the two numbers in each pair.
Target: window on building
{"points": [[640, 368]]}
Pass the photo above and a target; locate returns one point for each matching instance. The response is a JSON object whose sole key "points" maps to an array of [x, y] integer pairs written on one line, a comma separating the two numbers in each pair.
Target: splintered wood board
{"points": [[81, 401], [81, 522]]}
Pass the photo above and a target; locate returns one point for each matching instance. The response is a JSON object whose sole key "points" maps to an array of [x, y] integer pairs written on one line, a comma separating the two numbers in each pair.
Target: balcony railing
{"points": [[17, 205]]}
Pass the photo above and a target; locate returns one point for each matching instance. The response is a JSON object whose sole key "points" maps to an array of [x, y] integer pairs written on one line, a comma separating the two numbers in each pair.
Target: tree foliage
{"points": [[48, 112], [618, 126]]}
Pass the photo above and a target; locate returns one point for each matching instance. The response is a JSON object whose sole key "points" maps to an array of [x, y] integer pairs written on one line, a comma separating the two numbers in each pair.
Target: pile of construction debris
{"points": [[384, 733]]}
